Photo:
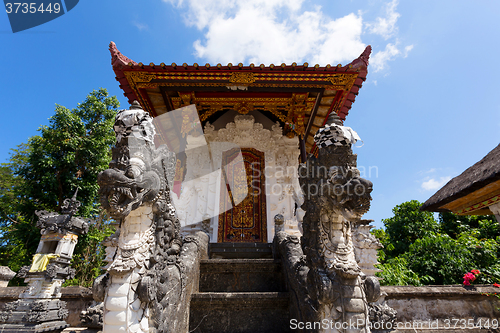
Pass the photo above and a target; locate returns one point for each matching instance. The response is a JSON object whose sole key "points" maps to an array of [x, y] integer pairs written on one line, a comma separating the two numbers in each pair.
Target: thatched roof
{"points": [[482, 173]]}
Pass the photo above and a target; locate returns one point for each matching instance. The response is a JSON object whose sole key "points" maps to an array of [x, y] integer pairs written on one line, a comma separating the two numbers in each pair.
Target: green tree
{"points": [[419, 251], [453, 225], [68, 154], [13, 250], [407, 225], [384, 240], [446, 260], [395, 272], [89, 253]]}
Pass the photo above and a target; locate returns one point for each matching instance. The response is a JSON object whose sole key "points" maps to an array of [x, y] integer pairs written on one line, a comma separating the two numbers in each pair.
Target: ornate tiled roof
{"points": [[299, 96]]}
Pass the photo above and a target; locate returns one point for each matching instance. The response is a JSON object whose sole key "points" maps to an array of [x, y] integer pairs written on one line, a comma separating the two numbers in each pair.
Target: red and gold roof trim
{"points": [[299, 96]]}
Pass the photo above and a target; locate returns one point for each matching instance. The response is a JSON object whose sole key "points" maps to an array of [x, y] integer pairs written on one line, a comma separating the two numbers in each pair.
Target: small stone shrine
{"points": [[39, 308]]}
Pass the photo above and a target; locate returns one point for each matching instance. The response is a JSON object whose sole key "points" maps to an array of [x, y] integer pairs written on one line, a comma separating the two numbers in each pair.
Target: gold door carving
{"points": [[246, 221]]}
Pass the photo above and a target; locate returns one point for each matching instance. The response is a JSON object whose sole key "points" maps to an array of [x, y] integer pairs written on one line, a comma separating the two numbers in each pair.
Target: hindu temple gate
{"points": [[270, 112]]}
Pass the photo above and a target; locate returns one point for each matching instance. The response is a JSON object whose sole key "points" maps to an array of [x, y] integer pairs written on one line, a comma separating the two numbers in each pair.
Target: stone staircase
{"points": [[242, 289]]}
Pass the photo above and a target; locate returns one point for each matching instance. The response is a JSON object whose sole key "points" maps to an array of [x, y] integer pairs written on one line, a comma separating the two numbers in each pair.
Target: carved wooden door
{"points": [[245, 221]]}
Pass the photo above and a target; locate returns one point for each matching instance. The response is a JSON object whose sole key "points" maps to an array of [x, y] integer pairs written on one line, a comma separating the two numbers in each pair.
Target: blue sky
{"points": [[429, 109]]}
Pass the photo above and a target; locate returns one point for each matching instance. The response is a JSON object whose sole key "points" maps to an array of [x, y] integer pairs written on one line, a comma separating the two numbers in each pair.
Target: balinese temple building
{"points": [[270, 112], [476, 191]]}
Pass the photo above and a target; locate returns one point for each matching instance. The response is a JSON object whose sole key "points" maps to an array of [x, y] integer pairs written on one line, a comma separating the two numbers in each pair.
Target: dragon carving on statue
{"points": [[336, 197], [322, 270], [135, 192]]}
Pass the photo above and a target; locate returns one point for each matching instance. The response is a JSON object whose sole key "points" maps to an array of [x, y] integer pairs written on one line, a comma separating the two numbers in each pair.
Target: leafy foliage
{"points": [[67, 155], [453, 225], [407, 225], [420, 251], [90, 249], [447, 259], [395, 272]]}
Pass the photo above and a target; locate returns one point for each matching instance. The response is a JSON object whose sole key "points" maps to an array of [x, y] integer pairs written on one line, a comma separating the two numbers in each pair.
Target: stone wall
{"points": [[77, 298], [411, 303], [443, 303]]}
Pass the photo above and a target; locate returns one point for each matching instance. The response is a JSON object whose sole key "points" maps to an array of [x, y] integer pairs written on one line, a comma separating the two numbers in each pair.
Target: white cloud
{"points": [[433, 184], [272, 31], [428, 171], [140, 26], [407, 50], [386, 26], [380, 59], [276, 31]]}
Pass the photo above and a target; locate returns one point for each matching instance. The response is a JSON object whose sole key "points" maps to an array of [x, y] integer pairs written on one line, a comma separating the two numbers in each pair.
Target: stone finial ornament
{"points": [[365, 247], [279, 223], [6, 274]]}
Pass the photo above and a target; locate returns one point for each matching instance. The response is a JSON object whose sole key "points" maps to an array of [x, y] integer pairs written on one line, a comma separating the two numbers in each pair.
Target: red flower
{"points": [[468, 278], [496, 285], [475, 272]]}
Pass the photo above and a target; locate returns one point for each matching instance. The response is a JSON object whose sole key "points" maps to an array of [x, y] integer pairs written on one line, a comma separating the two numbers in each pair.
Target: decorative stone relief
{"points": [[92, 317], [382, 314]]}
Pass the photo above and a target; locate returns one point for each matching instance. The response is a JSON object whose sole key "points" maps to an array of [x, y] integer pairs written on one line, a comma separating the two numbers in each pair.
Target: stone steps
{"points": [[240, 250], [239, 312], [242, 289], [241, 275]]}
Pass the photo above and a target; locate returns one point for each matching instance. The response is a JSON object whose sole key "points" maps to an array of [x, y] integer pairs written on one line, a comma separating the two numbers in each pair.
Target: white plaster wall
{"points": [[200, 196]]}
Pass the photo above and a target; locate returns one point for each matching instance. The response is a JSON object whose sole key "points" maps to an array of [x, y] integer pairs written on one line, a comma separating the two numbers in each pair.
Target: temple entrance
{"points": [[246, 220]]}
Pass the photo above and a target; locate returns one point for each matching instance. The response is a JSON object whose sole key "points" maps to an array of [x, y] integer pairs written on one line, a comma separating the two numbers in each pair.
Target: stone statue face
{"points": [[133, 177], [358, 200], [351, 194]]}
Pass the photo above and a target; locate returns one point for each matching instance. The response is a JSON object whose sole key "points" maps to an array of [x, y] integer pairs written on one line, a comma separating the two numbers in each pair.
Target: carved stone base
{"points": [[51, 327], [34, 316], [92, 317]]}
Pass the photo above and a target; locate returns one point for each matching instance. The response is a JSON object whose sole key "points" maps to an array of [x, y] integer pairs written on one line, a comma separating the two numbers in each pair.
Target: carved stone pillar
{"points": [[39, 308]]}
